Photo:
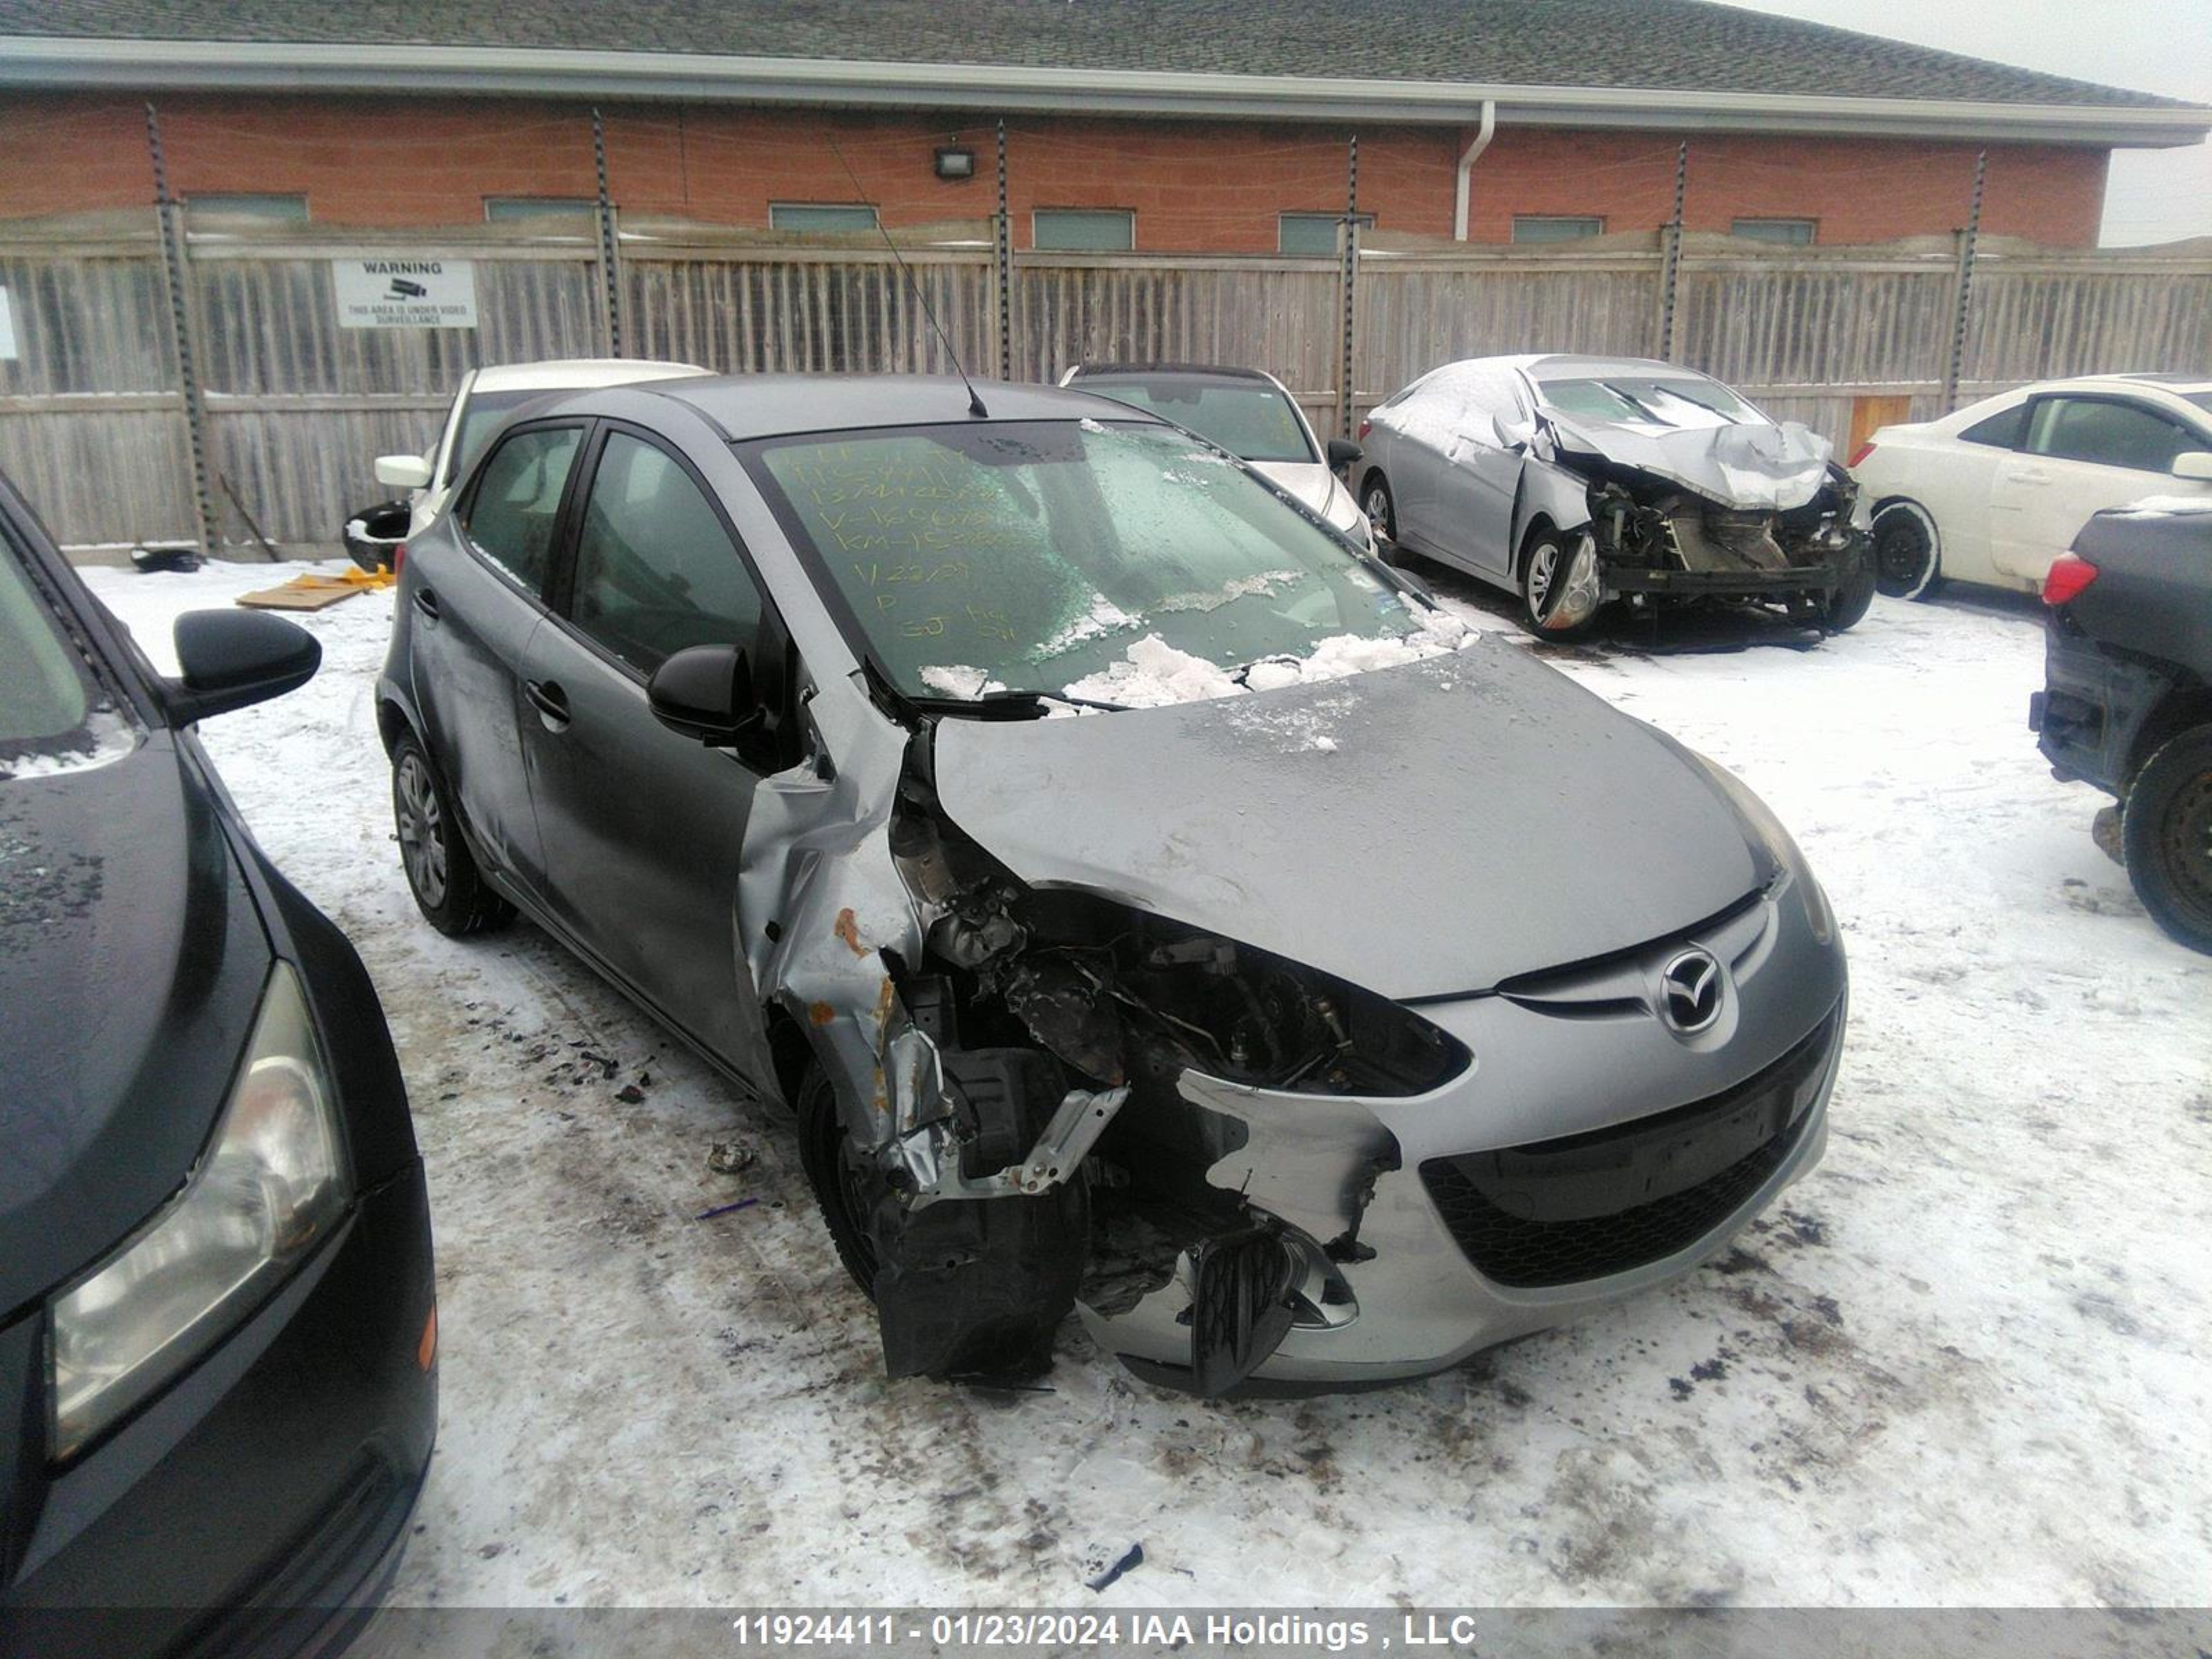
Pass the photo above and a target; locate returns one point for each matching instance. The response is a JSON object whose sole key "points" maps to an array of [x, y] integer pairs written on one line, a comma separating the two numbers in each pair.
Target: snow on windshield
{"points": [[1044, 555], [1152, 674]]}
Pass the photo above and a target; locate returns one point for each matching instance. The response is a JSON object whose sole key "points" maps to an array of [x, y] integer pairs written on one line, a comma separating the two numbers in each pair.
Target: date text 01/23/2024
{"points": [[1061, 1630]]}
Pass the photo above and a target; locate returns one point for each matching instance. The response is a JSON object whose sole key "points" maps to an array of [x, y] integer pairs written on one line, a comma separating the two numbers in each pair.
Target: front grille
{"points": [[1561, 1212]]}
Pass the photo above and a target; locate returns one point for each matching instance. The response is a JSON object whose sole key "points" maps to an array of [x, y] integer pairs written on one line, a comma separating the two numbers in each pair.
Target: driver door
{"points": [[643, 828]]}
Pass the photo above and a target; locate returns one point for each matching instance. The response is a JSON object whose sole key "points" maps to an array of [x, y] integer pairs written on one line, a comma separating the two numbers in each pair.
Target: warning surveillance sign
{"points": [[406, 293]]}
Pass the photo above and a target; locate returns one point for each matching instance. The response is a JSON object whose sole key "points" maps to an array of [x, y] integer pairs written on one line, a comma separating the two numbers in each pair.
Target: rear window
{"points": [[2003, 430], [53, 712], [1249, 419]]}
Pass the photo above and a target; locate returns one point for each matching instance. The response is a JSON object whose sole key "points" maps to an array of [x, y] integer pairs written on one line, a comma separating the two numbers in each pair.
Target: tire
{"points": [[841, 1186], [1848, 604], [1543, 562], [1906, 552], [2166, 831], [1382, 511], [449, 890]]}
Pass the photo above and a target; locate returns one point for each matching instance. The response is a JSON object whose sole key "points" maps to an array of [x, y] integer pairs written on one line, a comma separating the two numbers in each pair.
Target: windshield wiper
{"points": [[1002, 695]]}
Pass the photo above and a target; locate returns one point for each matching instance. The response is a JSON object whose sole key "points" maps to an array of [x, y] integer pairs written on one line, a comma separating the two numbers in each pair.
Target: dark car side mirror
{"points": [[1342, 452], [705, 692], [231, 659]]}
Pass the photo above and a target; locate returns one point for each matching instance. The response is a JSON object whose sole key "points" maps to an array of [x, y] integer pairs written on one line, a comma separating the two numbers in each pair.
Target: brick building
{"points": [[1164, 126]]}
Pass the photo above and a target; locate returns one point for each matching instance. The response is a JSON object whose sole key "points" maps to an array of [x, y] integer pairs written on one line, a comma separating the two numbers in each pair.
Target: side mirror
{"points": [[231, 659], [403, 472], [2195, 465], [1342, 452], [705, 692]]}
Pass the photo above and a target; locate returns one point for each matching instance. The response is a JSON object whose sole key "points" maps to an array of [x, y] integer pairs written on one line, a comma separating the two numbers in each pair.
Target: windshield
{"points": [[486, 410], [1670, 400], [52, 712], [2202, 400], [1250, 418], [1054, 556]]}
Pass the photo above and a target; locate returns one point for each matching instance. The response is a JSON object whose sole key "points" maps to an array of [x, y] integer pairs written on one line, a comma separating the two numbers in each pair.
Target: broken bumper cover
{"points": [[2089, 716], [1621, 579], [1582, 1159]]}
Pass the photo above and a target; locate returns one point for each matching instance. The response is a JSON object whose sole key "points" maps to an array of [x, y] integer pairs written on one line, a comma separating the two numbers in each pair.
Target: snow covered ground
{"points": [[1965, 1363]]}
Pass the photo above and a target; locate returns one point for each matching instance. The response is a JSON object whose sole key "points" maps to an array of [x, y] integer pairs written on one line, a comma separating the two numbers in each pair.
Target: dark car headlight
{"points": [[270, 1186]]}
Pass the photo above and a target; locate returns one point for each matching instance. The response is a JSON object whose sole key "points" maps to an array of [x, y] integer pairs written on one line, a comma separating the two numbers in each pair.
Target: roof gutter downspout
{"points": [[1468, 158]]}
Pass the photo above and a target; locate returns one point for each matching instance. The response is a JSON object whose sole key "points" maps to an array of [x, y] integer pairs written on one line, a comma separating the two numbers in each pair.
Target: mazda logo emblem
{"points": [[1691, 984]]}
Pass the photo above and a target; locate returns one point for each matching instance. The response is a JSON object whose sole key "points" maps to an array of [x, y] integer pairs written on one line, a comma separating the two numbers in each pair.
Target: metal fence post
{"points": [[1670, 269], [1348, 250], [169, 220], [1002, 251], [1962, 289], [611, 298]]}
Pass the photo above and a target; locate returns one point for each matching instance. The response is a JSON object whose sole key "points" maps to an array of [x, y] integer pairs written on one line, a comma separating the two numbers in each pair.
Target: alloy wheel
{"points": [[422, 825]]}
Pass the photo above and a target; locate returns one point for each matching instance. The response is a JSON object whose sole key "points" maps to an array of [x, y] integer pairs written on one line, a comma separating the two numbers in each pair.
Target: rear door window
{"points": [[2105, 432], [517, 504], [655, 570], [2003, 430]]}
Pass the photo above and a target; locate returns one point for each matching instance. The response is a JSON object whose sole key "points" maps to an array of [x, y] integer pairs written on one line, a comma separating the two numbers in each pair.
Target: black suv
{"points": [[2127, 703]]}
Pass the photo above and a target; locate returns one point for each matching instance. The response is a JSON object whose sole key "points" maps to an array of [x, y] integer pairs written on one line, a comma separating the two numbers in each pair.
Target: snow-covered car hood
{"points": [[1423, 830], [1316, 489], [1753, 466]]}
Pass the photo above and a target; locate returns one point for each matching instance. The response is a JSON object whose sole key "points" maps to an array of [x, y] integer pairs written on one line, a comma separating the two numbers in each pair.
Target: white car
{"points": [[1995, 492], [1250, 413], [487, 398]]}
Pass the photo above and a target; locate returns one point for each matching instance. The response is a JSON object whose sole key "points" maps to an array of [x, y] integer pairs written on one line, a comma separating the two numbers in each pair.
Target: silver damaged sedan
{"points": [[1148, 905]]}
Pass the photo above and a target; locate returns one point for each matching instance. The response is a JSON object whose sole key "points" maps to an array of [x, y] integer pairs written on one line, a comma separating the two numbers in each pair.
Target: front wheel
{"points": [[1908, 554], [1850, 601], [847, 1186], [2166, 830], [1561, 596]]}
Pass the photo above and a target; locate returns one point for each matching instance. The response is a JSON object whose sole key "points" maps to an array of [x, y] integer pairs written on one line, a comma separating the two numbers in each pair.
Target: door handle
{"points": [[550, 702], [2030, 476], [426, 601]]}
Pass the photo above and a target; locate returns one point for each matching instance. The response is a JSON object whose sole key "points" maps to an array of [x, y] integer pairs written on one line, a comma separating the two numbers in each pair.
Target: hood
{"points": [[1315, 487], [1423, 831], [1755, 467], [132, 962]]}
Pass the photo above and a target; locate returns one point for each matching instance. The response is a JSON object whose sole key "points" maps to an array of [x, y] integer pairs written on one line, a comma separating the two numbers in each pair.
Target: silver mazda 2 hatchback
{"points": [[1147, 903]]}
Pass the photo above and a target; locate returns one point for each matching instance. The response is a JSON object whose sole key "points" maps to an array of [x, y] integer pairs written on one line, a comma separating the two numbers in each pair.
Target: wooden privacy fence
{"points": [[148, 376]]}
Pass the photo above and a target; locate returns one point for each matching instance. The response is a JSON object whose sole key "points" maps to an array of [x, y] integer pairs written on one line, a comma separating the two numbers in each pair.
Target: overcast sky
{"points": [[2146, 46]]}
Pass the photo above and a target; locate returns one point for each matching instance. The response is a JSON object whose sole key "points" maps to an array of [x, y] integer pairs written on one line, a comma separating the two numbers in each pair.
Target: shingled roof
{"points": [[1671, 45]]}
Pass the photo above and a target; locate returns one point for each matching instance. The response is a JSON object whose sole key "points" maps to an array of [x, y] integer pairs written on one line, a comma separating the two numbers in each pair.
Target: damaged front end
{"points": [[1054, 1112], [1709, 517]]}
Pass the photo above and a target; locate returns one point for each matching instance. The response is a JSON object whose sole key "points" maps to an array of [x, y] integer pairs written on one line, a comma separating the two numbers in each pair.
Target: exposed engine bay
{"points": [[1036, 1145], [1736, 514], [1640, 524]]}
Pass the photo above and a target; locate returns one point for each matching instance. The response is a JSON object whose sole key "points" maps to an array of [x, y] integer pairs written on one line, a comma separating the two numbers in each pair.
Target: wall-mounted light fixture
{"points": [[956, 161]]}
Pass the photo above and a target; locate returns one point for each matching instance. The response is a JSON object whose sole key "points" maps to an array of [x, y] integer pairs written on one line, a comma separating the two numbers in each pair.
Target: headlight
{"points": [[270, 1183], [1758, 820]]}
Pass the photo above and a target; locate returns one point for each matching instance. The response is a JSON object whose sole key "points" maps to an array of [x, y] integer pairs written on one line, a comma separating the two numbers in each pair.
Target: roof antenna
{"points": [[975, 400]]}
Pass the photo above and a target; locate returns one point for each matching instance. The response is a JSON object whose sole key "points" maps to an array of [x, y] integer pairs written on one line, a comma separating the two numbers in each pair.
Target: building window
{"points": [[1554, 226], [1788, 233], [499, 209], [818, 216], [276, 210], [1083, 230], [1313, 233]]}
